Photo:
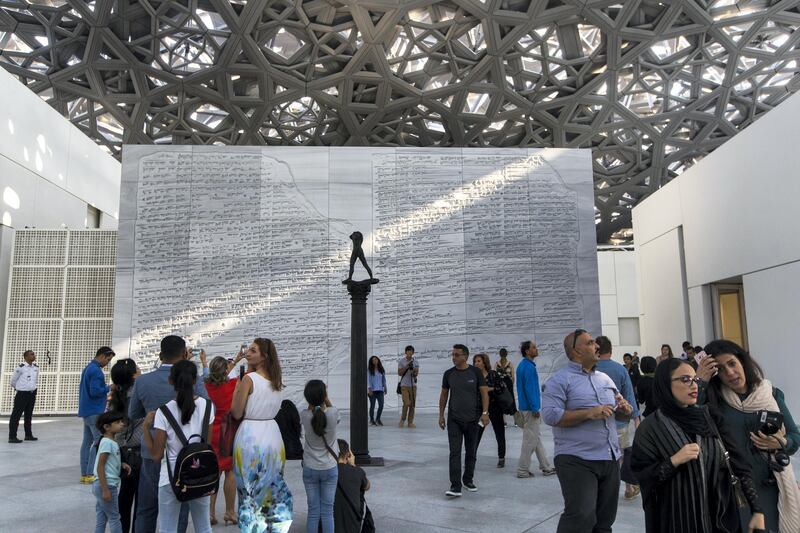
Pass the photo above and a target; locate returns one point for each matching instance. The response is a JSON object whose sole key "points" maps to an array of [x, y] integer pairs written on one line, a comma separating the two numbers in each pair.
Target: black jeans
{"points": [[591, 491], [376, 395], [458, 432], [128, 487], [498, 425], [23, 403]]}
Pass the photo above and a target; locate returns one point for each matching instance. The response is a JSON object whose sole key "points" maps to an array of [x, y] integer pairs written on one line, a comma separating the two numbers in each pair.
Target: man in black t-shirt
{"points": [[469, 402]]}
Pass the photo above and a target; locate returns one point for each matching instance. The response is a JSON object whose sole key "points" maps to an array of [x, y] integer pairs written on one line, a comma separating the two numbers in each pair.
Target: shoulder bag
{"points": [[741, 501], [399, 390]]}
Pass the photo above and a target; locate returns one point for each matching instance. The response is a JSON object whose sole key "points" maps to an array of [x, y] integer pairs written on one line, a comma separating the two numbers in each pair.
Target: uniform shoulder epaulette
{"points": [[22, 364], [34, 364]]}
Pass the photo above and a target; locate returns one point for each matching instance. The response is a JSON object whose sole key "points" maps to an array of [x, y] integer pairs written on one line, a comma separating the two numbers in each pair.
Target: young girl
{"points": [[188, 410], [319, 460], [107, 469]]}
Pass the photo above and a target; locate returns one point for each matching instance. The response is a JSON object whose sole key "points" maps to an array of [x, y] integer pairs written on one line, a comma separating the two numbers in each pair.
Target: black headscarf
{"points": [[692, 419]]}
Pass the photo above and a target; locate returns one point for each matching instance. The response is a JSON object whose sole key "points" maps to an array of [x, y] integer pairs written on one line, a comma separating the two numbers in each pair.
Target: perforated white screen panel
{"points": [[60, 305]]}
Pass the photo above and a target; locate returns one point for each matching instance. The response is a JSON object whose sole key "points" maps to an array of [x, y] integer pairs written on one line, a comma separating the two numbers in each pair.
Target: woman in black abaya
{"points": [[679, 459]]}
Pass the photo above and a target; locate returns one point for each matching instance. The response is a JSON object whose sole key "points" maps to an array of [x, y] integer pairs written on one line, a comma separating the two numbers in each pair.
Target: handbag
{"points": [[738, 493], [227, 434], [132, 456], [131, 453]]}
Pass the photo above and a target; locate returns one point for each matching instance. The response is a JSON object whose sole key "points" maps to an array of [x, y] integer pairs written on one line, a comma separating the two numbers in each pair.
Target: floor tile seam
{"points": [[532, 528]]}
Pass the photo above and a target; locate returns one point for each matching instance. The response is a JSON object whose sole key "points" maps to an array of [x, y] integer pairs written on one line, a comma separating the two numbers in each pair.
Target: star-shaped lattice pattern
{"points": [[650, 86]]}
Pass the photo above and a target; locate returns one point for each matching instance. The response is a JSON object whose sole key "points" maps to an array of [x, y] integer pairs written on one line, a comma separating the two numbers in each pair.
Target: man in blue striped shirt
{"points": [[579, 403]]}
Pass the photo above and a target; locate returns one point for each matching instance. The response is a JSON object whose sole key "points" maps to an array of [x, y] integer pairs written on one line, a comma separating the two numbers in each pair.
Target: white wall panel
{"points": [[32, 133], [661, 285], [657, 214], [92, 175], [606, 273], [773, 314], [55, 207], [625, 281], [17, 194], [47, 147], [618, 295]]}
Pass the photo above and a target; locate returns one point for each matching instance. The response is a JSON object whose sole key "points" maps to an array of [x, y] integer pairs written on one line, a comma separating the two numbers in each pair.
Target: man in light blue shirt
{"points": [[619, 375], [529, 402], [579, 402]]}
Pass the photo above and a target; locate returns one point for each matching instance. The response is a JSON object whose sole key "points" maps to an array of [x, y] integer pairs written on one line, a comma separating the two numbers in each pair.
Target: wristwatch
{"points": [[485, 413]]}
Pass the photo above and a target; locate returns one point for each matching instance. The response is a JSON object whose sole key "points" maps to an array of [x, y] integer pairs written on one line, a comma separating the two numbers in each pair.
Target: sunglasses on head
{"points": [[577, 333]]}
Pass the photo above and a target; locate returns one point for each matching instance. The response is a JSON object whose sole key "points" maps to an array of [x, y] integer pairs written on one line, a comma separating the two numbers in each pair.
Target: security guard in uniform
{"points": [[24, 380]]}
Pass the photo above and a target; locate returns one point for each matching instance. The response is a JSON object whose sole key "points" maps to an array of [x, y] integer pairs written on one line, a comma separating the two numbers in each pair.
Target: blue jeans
{"points": [[169, 509], [88, 452], [147, 507], [106, 511], [376, 395], [320, 493]]}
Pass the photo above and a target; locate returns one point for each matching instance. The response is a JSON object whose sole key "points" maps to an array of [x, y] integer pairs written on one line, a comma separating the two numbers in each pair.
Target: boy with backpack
{"points": [[192, 472], [107, 469]]}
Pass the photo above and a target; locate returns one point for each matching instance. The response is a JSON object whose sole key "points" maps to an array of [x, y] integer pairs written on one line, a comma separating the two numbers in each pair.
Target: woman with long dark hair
{"points": [[737, 387], [265, 502], [220, 390], [666, 353], [493, 380], [319, 460], [189, 411], [123, 374], [376, 389], [685, 461]]}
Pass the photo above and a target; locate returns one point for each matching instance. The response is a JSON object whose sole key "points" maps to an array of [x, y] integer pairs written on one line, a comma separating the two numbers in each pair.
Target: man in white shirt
{"points": [[24, 380]]}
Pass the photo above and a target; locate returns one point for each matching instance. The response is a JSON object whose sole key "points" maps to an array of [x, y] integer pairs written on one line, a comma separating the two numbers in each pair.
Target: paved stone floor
{"points": [[39, 488]]}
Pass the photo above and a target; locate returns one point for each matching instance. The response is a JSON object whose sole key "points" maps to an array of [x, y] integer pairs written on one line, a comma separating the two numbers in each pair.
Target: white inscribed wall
{"points": [[481, 247]]}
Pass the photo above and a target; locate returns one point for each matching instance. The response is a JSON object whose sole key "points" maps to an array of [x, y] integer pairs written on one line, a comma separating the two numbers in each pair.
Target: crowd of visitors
{"points": [[711, 450]]}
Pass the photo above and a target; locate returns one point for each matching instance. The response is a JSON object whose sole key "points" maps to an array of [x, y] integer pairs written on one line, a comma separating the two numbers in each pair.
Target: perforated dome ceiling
{"points": [[650, 86]]}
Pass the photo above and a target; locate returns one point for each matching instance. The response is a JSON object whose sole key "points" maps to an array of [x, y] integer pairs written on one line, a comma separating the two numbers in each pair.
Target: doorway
{"points": [[729, 313]]}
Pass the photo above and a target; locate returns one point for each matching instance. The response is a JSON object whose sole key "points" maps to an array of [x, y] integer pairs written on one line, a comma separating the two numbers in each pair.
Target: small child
{"points": [[107, 469]]}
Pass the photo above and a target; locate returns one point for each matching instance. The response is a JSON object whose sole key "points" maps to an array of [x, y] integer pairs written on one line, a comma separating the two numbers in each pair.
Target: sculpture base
{"points": [[367, 460]]}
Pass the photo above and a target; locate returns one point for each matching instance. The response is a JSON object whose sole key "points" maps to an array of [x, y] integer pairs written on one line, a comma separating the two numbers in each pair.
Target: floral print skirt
{"points": [[265, 503]]}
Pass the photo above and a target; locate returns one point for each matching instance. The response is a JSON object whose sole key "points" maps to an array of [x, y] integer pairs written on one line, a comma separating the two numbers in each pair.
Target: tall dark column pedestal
{"points": [[359, 430]]}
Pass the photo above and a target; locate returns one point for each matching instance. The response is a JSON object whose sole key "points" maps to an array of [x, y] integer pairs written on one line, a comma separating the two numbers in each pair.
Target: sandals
{"points": [[230, 518]]}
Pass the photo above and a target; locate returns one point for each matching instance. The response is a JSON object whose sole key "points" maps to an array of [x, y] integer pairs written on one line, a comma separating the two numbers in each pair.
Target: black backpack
{"points": [[196, 468]]}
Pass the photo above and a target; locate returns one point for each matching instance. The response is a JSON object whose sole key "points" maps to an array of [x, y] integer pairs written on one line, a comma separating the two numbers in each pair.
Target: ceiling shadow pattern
{"points": [[649, 86]]}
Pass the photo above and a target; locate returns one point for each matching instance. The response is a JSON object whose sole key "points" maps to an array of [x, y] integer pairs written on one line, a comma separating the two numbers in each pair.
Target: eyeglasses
{"points": [[687, 380], [577, 333]]}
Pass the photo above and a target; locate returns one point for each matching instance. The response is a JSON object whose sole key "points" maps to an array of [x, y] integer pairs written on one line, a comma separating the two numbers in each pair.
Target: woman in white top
{"points": [[189, 410], [320, 472], [265, 503]]}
